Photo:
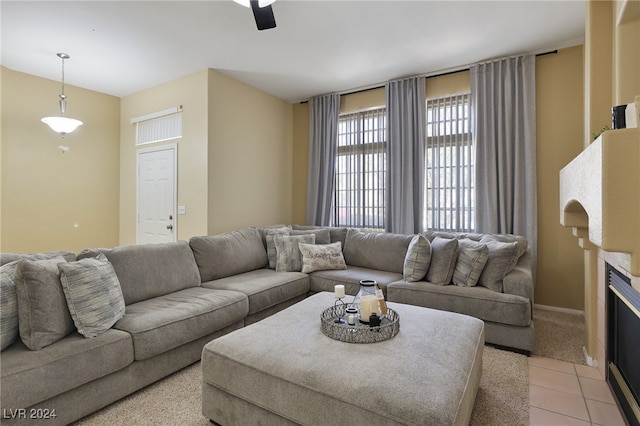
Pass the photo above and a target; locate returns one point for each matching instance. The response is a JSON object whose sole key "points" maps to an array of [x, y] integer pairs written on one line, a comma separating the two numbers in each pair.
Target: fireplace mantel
{"points": [[600, 190]]}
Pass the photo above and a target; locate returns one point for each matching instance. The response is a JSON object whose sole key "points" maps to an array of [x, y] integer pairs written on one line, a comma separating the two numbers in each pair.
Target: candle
{"points": [[339, 290], [368, 306], [352, 319]]}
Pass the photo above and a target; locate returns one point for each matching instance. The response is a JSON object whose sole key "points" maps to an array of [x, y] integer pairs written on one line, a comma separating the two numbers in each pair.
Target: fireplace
{"points": [[623, 347]]}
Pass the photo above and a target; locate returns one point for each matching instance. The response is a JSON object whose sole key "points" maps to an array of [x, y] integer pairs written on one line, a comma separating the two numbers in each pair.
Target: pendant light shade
{"points": [[61, 124]]}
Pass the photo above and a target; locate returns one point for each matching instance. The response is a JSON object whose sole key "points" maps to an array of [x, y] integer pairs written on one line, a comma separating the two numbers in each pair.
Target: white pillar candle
{"points": [[368, 306], [339, 291], [352, 319]]}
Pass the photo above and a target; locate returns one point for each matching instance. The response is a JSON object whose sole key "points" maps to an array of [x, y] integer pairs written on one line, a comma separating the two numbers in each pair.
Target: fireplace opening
{"points": [[623, 348]]}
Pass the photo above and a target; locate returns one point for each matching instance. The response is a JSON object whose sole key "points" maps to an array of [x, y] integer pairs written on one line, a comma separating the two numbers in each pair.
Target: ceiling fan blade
{"points": [[263, 15]]}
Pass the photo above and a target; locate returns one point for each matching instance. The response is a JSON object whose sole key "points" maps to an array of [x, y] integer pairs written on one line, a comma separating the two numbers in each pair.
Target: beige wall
{"points": [[190, 92], [51, 200], [560, 115], [300, 127], [559, 92], [250, 156], [234, 159]]}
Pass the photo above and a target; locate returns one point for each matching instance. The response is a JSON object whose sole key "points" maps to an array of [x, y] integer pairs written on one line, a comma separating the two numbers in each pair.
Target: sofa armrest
{"points": [[519, 280]]}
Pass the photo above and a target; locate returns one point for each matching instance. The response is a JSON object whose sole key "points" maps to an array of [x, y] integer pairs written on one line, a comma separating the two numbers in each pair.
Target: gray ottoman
{"points": [[283, 370]]}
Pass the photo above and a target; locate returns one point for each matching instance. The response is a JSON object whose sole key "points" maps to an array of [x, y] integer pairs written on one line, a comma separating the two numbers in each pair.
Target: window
{"points": [[158, 126], [360, 170], [450, 158]]}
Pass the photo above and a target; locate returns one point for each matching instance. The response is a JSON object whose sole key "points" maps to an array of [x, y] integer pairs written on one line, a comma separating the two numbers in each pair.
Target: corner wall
{"points": [[249, 156], [191, 92], [50, 200]]}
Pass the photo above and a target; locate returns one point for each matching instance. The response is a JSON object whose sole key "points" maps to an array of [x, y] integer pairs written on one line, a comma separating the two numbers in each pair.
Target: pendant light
{"points": [[62, 124]]}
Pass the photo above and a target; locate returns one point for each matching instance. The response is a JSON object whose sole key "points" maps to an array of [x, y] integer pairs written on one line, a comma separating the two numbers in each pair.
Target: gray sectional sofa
{"points": [[179, 296]]}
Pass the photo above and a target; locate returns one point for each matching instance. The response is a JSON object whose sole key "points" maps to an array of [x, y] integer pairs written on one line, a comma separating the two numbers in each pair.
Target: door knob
{"points": [[169, 227]]}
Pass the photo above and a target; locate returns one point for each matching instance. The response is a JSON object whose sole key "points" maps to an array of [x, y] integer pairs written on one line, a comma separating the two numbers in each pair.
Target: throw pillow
{"points": [[8, 305], [93, 294], [502, 258], [322, 235], [271, 247], [472, 256], [443, 260], [289, 258], [417, 260], [521, 241], [43, 315], [321, 257]]}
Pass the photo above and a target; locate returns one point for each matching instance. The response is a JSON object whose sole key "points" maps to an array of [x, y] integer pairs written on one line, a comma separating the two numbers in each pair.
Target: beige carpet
{"points": [[503, 397], [559, 335]]}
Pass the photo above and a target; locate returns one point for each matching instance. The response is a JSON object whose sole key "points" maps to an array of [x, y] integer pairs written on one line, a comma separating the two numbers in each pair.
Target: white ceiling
{"points": [[121, 47]]}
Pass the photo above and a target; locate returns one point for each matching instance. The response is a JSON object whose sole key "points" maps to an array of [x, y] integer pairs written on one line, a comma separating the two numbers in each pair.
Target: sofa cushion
{"points": [[8, 305], [325, 280], [323, 256], [265, 288], [472, 256], [502, 258], [150, 270], [444, 253], [384, 252], [166, 322], [43, 315], [228, 254], [29, 377], [418, 258], [11, 257], [479, 302], [93, 294], [289, 257]]}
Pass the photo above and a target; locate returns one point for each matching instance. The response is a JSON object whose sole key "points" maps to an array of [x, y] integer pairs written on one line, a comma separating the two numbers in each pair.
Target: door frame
{"points": [[173, 147]]}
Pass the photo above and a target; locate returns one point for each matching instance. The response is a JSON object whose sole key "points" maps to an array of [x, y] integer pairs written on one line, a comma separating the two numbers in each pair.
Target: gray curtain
{"points": [[406, 127], [504, 104], [323, 142]]}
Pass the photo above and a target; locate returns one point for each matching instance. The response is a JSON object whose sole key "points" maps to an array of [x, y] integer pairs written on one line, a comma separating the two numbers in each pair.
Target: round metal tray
{"points": [[358, 332]]}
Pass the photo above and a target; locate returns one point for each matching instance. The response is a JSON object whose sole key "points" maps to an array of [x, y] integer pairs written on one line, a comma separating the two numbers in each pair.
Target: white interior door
{"points": [[156, 194]]}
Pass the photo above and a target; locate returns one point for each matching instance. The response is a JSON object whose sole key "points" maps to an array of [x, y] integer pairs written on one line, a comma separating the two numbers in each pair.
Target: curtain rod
{"points": [[437, 74]]}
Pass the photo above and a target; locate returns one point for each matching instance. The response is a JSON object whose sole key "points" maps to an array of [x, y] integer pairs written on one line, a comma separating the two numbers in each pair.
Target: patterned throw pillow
{"points": [[443, 260], [472, 256], [417, 260], [93, 294], [321, 257], [8, 305], [43, 316], [272, 255], [289, 257]]}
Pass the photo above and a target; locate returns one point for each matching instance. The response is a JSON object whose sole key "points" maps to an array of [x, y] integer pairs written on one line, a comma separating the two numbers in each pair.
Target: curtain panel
{"points": [[406, 128], [504, 104], [323, 142]]}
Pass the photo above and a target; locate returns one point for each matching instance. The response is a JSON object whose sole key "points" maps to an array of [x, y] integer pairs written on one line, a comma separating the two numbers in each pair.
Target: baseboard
{"points": [[558, 309], [589, 360]]}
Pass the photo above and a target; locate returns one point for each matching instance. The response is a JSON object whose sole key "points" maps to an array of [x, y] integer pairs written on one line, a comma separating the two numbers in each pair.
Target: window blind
{"points": [[360, 170], [159, 126], [450, 158]]}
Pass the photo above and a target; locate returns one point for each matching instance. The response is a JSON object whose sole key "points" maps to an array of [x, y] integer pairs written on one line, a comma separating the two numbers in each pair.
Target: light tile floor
{"points": [[562, 393]]}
